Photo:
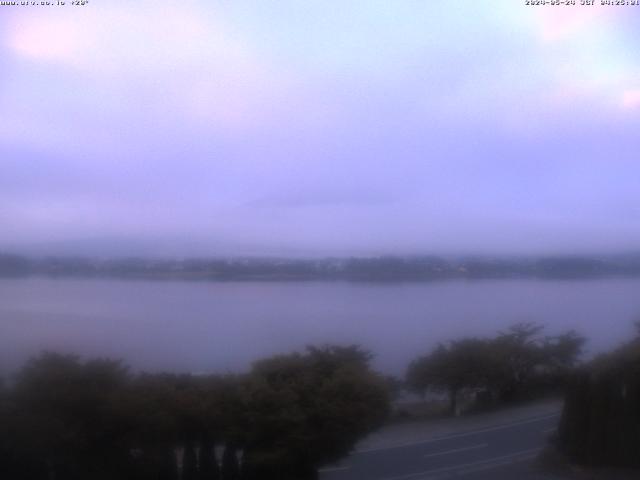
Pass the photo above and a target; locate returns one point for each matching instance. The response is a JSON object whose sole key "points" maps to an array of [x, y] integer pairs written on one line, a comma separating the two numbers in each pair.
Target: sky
{"points": [[313, 128]]}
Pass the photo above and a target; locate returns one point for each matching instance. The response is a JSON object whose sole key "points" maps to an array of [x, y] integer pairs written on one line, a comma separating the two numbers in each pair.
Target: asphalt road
{"points": [[498, 452]]}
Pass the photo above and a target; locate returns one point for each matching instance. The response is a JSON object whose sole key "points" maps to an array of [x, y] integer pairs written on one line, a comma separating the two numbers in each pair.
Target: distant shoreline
{"points": [[416, 269]]}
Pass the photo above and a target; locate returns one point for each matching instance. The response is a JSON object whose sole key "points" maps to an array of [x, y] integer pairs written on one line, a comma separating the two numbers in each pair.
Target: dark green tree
{"points": [[517, 362], [309, 409], [66, 415], [600, 423], [460, 366]]}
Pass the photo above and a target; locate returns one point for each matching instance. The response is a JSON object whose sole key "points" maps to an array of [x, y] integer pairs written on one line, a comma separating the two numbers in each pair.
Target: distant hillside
{"points": [[416, 268]]}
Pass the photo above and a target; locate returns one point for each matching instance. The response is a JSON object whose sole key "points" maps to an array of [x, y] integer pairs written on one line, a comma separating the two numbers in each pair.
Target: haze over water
{"points": [[204, 327]]}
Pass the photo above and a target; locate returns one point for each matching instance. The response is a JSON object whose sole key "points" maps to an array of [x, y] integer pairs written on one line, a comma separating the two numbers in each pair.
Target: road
{"points": [[502, 451]]}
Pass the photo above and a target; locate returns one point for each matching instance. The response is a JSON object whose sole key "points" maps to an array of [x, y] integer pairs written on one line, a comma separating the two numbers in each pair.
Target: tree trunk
{"points": [[209, 469], [189, 462], [230, 466], [168, 464], [453, 402]]}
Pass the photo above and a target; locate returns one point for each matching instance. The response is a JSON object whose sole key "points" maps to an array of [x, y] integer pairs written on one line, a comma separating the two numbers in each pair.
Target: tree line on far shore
{"points": [[382, 268]]}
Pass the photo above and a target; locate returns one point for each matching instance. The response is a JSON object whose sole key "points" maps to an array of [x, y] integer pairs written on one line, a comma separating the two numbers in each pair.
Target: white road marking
{"points": [[528, 455], [549, 430], [333, 469], [456, 450], [487, 464], [459, 435]]}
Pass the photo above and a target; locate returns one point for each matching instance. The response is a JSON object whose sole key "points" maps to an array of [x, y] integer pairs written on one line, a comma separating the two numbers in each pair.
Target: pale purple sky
{"points": [[319, 128]]}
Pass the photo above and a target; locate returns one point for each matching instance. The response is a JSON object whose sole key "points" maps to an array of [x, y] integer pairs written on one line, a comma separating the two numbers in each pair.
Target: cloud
{"points": [[40, 38], [109, 39], [562, 23], [631, 99], [146, 61], [398, 119]]}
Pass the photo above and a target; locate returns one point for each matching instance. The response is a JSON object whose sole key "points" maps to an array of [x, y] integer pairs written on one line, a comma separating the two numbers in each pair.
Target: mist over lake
{"points": [[205, 327]]}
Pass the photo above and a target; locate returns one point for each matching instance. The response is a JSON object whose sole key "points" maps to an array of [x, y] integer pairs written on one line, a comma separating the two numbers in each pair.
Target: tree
{"points": [[309, 409], [518, 352], [563, 351], [7, 460], [65, 416], [461, 365], [600, 422], [517, 361], [74, 419]]}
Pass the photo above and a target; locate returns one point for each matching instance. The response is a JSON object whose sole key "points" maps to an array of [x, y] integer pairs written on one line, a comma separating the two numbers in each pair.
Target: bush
{"points": [[600, 424]]}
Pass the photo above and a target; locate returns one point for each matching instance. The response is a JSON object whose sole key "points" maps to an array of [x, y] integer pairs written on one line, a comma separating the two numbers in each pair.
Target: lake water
{"points": [[225, 326]]}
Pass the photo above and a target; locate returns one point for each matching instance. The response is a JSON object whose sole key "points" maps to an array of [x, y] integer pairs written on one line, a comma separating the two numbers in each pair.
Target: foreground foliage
{"points": [[64, 418], [600, 423], [517, 363]]}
